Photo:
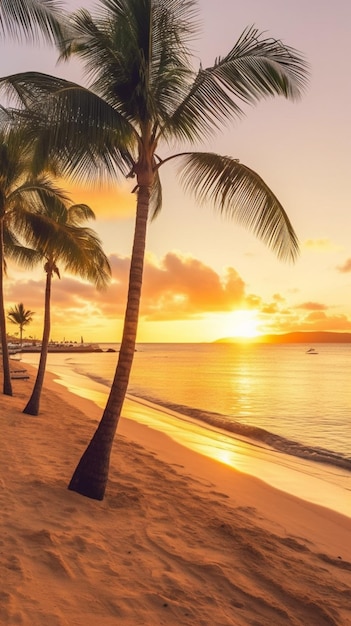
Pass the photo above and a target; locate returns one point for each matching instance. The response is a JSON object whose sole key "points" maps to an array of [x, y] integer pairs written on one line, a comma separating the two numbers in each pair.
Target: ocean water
{"points": [[279, 395]]}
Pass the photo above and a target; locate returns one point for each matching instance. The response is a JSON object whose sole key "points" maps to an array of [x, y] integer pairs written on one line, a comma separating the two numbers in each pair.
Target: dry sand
{"points": [[183, 542]]}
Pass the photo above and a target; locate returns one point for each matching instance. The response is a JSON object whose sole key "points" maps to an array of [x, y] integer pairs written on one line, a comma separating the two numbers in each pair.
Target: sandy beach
{"points": [[180, 539]]}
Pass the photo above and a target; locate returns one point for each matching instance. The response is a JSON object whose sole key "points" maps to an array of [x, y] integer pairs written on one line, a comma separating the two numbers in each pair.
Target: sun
{"points": [[244, 324]]}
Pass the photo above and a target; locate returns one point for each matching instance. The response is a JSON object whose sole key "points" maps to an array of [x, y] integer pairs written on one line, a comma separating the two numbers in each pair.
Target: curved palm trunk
{"points": [[32, 406], [7, 387], [91, 474]]}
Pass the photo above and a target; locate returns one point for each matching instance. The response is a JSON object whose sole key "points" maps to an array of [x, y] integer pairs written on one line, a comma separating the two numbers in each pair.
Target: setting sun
{"points": [[244, 324]]}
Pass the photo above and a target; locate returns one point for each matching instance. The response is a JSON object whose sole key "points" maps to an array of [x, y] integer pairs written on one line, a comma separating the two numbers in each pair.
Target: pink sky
{"points": [[201, 268]]}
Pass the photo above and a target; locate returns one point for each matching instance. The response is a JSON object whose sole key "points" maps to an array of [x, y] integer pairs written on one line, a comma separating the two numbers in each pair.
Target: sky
{"points": [[207, 277]]}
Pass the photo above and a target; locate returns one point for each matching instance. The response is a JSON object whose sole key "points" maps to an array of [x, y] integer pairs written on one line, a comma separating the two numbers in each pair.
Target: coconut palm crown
{"points": [[144, 94], [77, 249], [21, 196], [21, 317]]}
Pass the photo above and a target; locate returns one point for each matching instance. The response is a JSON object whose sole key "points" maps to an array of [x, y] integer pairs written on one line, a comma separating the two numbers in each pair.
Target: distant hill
{"points": [[296, 337]]}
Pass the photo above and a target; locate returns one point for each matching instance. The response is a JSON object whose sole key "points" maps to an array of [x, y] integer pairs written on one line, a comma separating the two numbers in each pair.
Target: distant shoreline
{"points": [[294, 337]]}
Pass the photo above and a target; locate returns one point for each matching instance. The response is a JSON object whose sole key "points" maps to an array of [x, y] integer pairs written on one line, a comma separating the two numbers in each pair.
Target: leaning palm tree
{"points": [[79, 251], [144, 94], [21, 196], [21, 317]]}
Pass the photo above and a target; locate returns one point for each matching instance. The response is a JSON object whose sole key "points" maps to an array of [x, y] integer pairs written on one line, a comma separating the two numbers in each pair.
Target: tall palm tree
{"points": [[31, 19], [144, 93], [20, 316], [79, 251], [21, 197]]}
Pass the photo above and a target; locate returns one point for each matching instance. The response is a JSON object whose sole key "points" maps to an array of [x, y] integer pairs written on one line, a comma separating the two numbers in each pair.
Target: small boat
{"points": [[311, 351]]}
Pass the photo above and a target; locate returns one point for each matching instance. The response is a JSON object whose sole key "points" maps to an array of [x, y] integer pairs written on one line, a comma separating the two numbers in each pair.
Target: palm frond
{"points": [[19, 253], [23, 255], [80, 252], [78, 213], [54, 231], [8, 118], [255, 68], [76, 129], [239, 193], [39, 232], [33, 195], [173, 25], [26, 88], [135, 54], [32, 20], [156, 197], [16, 153]]}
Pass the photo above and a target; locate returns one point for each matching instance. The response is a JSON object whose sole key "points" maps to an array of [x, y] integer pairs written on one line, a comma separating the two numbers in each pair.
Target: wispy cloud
{"points": [[312, 306], [320, 245], [345, 268], [322, 321]]}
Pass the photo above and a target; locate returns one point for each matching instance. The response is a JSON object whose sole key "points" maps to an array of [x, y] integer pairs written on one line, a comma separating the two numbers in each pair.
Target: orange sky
{"points": [[200, 269]]}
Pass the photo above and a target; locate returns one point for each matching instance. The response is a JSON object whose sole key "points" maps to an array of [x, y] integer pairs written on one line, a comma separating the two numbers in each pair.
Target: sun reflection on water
{"points": [[226, 456]]}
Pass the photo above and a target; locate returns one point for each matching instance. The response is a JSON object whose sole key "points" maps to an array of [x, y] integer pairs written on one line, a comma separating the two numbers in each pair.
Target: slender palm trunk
{"points": [[32, 406], [7, 387], [91, 474]]}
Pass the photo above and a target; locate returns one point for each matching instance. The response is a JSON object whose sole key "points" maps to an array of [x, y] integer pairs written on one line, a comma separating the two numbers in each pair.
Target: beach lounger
{"points": [[20, 375]]}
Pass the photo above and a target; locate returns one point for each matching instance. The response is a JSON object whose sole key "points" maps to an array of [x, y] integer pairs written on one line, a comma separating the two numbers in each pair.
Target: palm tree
{"points": [[31, 19], [21, 196], [79, 251], [20, 316], [144, 93]]}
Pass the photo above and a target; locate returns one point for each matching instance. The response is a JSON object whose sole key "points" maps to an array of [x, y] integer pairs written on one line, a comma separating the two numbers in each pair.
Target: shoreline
{"points": [[312, 481], [179, 538], [137, 424], [304, 425]]}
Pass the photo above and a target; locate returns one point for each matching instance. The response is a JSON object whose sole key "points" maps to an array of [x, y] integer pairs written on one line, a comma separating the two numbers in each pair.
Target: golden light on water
{"points": [[226, 456]]}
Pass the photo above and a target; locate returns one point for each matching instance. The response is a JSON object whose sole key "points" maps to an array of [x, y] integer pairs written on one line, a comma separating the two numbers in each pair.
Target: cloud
{"points": [[270, 309], [180, 287], [253, 302], [175, 287], [289, 320], [307, 316], [278, 298], [320, 245], [345, 268], [322, 321], [312, 306]]}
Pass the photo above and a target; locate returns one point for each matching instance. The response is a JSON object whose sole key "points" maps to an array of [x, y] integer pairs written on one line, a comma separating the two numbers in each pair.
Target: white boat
{"points": [[311, 351]]}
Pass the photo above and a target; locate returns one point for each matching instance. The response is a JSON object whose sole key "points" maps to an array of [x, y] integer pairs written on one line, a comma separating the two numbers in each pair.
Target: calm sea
{"points": [[278, 394]]}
